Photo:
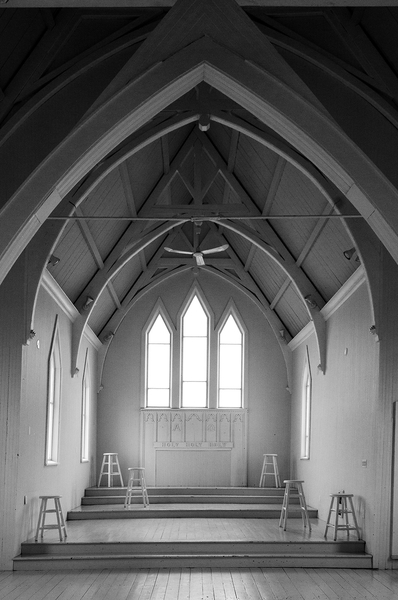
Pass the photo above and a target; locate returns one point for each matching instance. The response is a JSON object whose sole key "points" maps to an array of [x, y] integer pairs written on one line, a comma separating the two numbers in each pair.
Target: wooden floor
{"points": [[180, 529], [201, 584]]}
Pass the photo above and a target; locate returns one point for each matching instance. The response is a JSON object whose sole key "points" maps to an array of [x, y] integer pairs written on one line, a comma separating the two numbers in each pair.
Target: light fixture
{"points": [[32, 334], [89, 300], [204, 123], [351, 254], [282, 334], [310, 301], [53, 260], [108, 336]]}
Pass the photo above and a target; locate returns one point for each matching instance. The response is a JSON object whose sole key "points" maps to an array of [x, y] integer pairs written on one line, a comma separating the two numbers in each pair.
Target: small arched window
{"points": [[306, 409], [230, 353], [158, 364], [195, 332]]}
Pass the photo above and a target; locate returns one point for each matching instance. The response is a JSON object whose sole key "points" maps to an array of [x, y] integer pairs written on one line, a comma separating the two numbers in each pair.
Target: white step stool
{"points": [[110, 468], [270, 467], [41, 524], [136, 483], [339, 505], [297, 484]]}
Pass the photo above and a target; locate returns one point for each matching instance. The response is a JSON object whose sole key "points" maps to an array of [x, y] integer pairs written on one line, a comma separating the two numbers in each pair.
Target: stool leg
{"points": [[328, 519], [262, 476], [60, 519], [41, 516], [303, 505], [354, 517], [276, 471], [101, 472], [336, 518], [285, 507]]}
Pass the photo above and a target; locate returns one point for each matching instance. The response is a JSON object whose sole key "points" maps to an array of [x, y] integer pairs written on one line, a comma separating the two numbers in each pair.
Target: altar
{"points": [[194, 448]]}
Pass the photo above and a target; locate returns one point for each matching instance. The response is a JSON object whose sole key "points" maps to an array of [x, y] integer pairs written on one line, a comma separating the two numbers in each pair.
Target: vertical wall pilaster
{"points": [[12, 317]]}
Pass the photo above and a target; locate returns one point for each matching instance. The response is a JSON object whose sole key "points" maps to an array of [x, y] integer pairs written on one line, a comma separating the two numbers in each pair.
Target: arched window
{"points": [[53, 399], [230, 352], [158, 364], [85, 424], [306, 409], [195, 332]]}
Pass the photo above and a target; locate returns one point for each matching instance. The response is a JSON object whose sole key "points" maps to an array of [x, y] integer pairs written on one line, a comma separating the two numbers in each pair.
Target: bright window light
{"points": [[158, 364], [195, 326], [230, 365]]}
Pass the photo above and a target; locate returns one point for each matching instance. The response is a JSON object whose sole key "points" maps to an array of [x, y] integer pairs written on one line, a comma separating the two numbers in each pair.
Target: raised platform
{"points": [[193, 534]]}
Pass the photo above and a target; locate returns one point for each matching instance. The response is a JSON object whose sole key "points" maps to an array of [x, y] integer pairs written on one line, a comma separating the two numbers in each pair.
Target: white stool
{"points": [[41, 524], [111, 468], [136, 483], [298, 484], [270, 467], [339, 506]]}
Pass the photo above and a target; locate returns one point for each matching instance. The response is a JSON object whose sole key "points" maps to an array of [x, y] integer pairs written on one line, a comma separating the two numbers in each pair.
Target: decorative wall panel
{"points": [[194, 448]]}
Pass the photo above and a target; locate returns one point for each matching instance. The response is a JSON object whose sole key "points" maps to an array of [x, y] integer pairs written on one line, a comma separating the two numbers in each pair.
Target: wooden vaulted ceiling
{"points": [[205, 176], [207, 166]]}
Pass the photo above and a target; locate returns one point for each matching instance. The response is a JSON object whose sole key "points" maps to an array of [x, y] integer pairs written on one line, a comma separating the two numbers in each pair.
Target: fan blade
{"points": [[178, 251], [218, 249], [198, 256]]}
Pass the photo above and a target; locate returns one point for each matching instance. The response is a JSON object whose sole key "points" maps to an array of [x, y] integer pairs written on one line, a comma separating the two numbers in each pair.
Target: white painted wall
{"points": [[268, 401], [70, 477], [343, 408]]}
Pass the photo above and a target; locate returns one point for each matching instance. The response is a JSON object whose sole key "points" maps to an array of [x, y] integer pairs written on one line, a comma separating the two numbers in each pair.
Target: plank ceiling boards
{"points": [[101, 312], [76, 265]]}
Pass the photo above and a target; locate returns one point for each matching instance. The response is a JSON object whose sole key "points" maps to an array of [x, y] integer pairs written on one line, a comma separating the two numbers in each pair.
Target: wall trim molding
{"points": [[341, 296], [56, 292]]}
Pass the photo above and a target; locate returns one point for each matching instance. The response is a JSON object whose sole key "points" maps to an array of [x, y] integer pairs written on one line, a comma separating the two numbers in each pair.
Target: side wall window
{"points": [[306, 390], [53, 399], [85, 424]]}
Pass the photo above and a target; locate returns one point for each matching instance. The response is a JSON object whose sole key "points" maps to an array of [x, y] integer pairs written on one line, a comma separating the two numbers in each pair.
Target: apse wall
{"points": [[268, 401], [343, 441], [70, 476]]}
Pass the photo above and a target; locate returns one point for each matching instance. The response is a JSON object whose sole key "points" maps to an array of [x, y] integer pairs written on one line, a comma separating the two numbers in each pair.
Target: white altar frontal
{"points": [[194, 448]]}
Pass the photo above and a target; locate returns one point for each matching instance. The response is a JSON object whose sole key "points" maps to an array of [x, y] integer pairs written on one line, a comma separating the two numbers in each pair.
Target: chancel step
{"points": [[194, 554]]}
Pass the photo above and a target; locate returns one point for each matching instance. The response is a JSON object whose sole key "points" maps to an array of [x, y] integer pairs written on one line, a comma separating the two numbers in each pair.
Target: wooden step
{"points": [[189, 491], [192, 554], [46, 563], [185, 499], [166, 511]]}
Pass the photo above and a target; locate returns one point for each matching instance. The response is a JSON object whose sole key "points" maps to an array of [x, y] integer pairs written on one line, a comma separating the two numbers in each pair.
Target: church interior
{"points": [[198, 266]]}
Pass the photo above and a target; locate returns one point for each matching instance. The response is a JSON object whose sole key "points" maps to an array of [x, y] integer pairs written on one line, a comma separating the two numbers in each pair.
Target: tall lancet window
{"points": [[53, 399], [230, 364], [158, 364], [195, 332]]}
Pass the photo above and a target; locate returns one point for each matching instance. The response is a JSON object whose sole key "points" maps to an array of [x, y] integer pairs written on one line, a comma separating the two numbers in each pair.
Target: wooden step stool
{"points": [[342, 506], [136, 483], [110, 468], [270, 467], [57, 510], [298, 484]]}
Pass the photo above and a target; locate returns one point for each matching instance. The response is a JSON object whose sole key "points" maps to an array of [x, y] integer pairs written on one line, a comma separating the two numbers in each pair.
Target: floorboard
{"points": [[201, 584]]}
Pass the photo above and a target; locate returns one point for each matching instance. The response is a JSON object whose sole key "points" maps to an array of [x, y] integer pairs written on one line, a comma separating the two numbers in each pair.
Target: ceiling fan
{"points": [[198, 255]]}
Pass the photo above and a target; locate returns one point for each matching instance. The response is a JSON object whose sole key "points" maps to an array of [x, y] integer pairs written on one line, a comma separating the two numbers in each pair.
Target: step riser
{"points": [[242, 492], [166, 562], [137, 499], [186, 513], [189, 548]]}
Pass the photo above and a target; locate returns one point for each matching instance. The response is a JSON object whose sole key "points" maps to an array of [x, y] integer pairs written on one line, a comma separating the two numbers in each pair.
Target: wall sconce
{"points": [[53, 260], [108, 336], [282, 334], [310, 301], [89, 300], [373, 331], [351, 254], [32, 334]]}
